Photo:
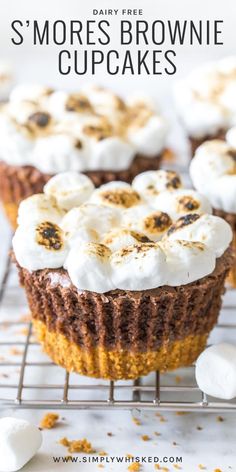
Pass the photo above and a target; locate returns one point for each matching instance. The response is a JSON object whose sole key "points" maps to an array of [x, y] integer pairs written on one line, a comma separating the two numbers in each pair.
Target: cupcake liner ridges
{"points": [[123, 334]]}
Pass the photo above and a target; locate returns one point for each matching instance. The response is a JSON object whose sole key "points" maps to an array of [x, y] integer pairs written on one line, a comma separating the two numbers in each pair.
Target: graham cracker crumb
{"points": [[201, 467], [102, 453], [220, 419], [100, 466], [181, 413], [15, 352], [110, 434], [217, 470], [49, 420], [129, 456], [156, 433], [136, 421], [145, 437], [78, 445], [135, 467], [174, 443], [178, 379], [199, 428], [176, 466]]}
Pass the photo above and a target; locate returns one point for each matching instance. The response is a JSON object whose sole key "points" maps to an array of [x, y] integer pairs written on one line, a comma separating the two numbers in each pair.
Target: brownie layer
{"points": [[196, 142], [117, 364], [19, 182], [133, 321]]}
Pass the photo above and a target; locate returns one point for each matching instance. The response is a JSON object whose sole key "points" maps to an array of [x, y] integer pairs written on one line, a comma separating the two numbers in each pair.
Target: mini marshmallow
{"points": [[213, 172], [216, 371], [111, 153], [39, 207], [120, 197], [40, 246], [88, 266], [70, 189], [148, 138], [187, 261], [211, 230], [139, 267], [120, 238], [19, 442], [100, 219], [180, 202], [151, 183]]}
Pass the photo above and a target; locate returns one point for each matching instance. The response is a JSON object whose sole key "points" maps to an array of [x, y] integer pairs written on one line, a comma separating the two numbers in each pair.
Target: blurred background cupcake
{"points": [[213, 172], [43, 131], [206, 101]]}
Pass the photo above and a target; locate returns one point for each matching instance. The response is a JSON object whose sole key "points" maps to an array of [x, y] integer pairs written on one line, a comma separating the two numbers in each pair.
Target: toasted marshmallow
{"points": [[211, 230], [139, 267], [213, 172], [216, 371], [14, 145], [148, 138], [151, 183], [181, 202], [19, 442], [88, 266], [117, 196], [99, 220], [39, 207], [58, 153], [231, 137], [120, 238], [29, 93], [69, 189], [187, 261], [40, 246], [112, 153]]}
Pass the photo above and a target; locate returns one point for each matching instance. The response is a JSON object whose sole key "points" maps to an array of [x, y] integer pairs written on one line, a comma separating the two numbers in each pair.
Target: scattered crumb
{"points": [[110, 434], [102, 453], [217, 470], [15, 352], [157, 467], [78, 445], [136, 421], [156, 433], [23, 331], [199, 428], [220, 419], [129, 456], [135, 467], [100, 466], [25, 318], [176, 466], [181, 413], [163, 420], [49, 420], [178, 379], [201, 467], [145, 437], [4, 376], [174, 443]]}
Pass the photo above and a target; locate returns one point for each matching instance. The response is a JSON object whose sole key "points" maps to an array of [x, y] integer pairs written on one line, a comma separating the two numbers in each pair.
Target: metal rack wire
{"points": [[143, 393]]}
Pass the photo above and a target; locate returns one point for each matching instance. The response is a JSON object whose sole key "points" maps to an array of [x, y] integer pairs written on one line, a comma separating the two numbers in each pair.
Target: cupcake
{"points": [[43, 132], [205, 101], [123, 279], [213, 172]]}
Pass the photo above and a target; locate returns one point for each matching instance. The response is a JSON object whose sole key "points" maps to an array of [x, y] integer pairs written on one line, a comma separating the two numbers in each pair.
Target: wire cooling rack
{"points": [[28, 379]]}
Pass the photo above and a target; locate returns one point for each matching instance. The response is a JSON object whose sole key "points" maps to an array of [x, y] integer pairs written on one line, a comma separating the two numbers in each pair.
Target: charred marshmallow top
{"points": [[206, 98], [213, 172], [119, 236], [57, 131]]}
